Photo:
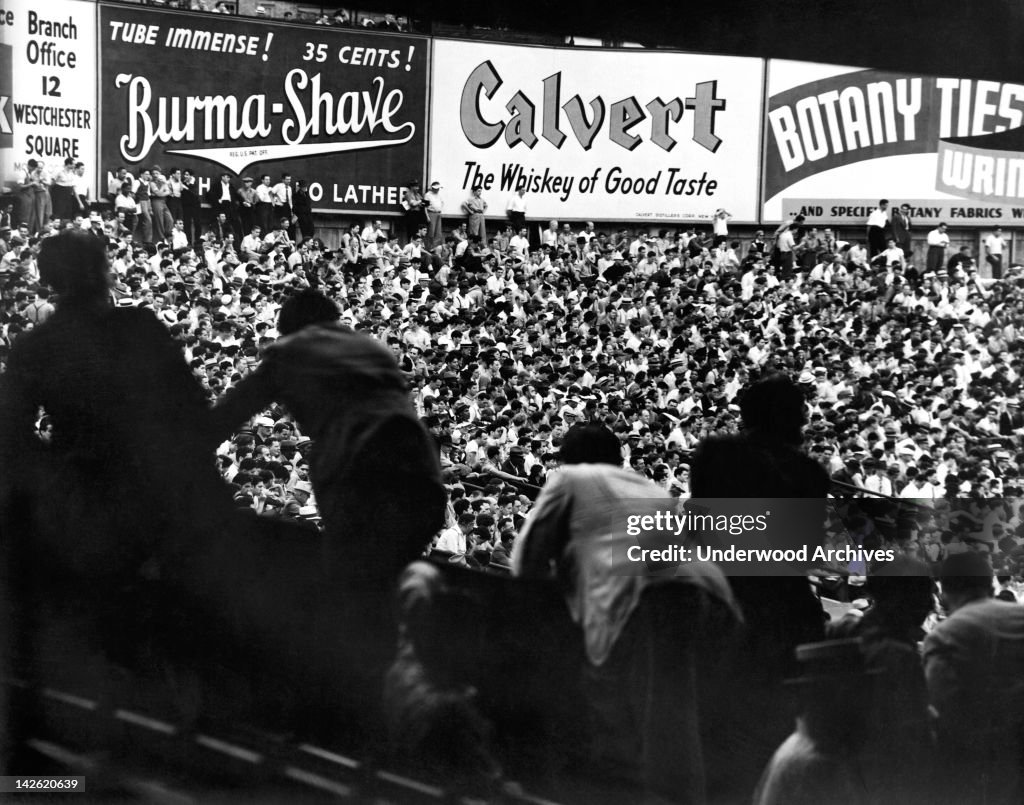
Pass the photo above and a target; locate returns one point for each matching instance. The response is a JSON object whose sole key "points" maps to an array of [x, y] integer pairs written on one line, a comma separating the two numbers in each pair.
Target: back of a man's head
{"points": [[902, 587], [966, 574], [591, 443], [305, 308], [74, 264], [774, 407]]}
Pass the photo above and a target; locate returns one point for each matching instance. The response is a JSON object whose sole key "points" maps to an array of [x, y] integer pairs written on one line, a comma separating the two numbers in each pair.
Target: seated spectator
{"points": [[820, 762], [433, 723]]}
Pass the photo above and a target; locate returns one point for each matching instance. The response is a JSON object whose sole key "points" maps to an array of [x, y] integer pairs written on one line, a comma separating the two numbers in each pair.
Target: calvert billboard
{"points": [[47, 87], [343, 109], [596, 134], [838, 139]]}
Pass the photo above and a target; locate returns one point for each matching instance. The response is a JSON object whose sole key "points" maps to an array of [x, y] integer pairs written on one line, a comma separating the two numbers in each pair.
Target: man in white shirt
{"points": [[252, 244], [453, 540], [721, 226], [434, 205], [938, 240], [877, 222], [124, 202], [785, 243], [994, 247], [279, 236], [281, 198], [179, 240], [116, 180], [516, 209], [878, 481], [264, 211], [414, 249], [918, 487], [371, 232], [857, 256], [520, 243], [549, 237], [892, 256]]}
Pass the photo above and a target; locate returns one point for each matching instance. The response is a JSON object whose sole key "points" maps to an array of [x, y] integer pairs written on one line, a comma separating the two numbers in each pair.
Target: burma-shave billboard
{"points": [[47, 91], [836, 136], [344, 110], [596, 134]]}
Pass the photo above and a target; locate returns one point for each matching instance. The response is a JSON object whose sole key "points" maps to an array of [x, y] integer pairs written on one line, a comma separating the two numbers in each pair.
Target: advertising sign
{"points": [[344, 110], [596, 134], [930, 211], [837, 136], [47, 88]]}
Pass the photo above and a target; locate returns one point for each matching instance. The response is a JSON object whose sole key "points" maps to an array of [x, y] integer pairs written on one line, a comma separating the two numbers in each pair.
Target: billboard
{"points": [[341, 108], [596, 134], [47, 88], [841, 138]]}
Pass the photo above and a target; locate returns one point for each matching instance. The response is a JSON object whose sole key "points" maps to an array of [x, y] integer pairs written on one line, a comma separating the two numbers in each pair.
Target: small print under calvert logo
{"points": [[354, 120]]}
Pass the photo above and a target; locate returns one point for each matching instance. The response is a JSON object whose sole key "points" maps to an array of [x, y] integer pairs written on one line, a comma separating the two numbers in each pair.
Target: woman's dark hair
{"points": [[74, 264], [305, 308], [591, 443]]}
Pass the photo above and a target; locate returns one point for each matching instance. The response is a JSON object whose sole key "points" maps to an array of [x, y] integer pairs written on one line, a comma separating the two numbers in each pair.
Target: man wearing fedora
{"points": [[819, 761]]}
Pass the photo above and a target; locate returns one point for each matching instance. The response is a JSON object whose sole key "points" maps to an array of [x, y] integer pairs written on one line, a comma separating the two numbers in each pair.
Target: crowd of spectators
{"points": [[338, 18], [910, 377]]}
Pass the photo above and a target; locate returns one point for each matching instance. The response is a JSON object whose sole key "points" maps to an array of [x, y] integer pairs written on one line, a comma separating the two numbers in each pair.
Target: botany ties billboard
{"points": [[839, 139]]}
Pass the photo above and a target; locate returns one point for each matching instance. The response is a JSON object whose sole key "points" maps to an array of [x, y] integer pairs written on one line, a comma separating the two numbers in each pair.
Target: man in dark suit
{"points": [[190, 206], [900, 224], [223, 198], [221, 227]]}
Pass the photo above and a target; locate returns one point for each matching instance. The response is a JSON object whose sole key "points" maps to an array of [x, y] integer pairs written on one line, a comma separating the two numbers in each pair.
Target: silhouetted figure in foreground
{"points": [[974, 666], [101, 522], [374, 469], [646, 628], [763, 461]]}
